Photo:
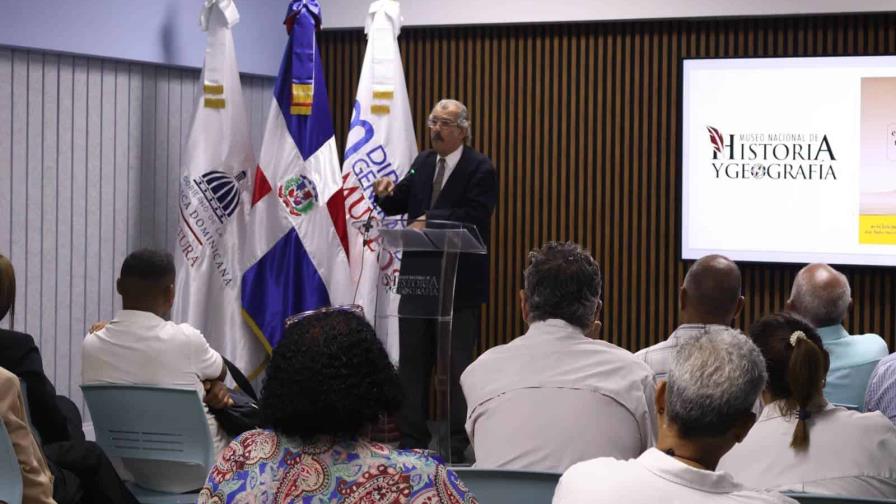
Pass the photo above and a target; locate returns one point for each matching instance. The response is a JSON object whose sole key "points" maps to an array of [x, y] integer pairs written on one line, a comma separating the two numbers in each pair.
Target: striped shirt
{"points": [[659, 356], [881, 393]]}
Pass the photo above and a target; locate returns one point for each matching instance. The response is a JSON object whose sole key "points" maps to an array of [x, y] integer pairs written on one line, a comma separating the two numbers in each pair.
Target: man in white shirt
{"points": [[555, 396], [710, 297], [822, 296], [140, 347], [703, 410]]}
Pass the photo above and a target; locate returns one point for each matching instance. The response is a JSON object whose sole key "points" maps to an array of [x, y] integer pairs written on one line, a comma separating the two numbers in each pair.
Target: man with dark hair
{"points": [[710, 297], [822, 295], [140, 347], [555, 395]]}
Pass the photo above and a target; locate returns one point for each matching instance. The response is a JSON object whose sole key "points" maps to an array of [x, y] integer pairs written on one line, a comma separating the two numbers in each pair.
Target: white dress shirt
{"points": [[849, 453], [654, 477], [553, 397], [451, 161], [140, 348]]}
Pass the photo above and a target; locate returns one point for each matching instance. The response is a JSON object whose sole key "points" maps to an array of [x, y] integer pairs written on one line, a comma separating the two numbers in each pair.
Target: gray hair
{"points": [[463, 119], [714, 380], [821, 295], [562, 281]]}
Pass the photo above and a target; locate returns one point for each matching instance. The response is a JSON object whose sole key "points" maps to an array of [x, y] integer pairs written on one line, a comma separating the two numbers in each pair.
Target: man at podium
{"points": [[450, 182]]}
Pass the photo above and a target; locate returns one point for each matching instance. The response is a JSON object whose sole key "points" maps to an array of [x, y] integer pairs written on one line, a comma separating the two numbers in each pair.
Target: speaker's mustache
{"points": [[437, 136]]}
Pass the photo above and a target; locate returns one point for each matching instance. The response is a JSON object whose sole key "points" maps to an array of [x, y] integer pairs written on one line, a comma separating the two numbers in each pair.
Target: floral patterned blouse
{"points": [[264, 467]]}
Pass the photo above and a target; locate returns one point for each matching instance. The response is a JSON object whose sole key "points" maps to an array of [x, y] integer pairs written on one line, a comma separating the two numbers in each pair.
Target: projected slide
{"points": [[790, 159]]}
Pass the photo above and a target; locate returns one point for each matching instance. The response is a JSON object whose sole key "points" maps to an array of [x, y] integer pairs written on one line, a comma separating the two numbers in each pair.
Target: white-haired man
{"points": [[821, 295], [452, 182], [703, 409]]}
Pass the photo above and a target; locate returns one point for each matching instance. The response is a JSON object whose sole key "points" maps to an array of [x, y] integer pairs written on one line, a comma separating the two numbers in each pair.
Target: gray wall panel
{"points": [[90, 155], [5, 148], [49, 211], [77, 222], [18, 186], [34, 190], [63, 257]]}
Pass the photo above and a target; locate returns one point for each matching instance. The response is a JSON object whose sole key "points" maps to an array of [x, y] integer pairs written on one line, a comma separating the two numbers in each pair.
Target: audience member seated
{"points": [[36, 478], [881, 393], [81, 470], [710, 297], [821, 295], [703, 408], [140, 347], [802, 442], [555, 395], [329, 379]]}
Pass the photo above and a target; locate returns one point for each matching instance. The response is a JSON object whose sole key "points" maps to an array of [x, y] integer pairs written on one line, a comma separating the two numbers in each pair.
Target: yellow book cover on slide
{"points": [[877, 201]]}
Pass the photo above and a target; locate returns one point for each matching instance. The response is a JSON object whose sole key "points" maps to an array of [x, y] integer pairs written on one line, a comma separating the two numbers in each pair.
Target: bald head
{"points": [[820, 294], [710, 293]]}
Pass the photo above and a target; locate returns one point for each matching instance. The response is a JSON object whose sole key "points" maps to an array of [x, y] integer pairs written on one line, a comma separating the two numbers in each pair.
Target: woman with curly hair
{"points": [[328, 380], [801, 442]]}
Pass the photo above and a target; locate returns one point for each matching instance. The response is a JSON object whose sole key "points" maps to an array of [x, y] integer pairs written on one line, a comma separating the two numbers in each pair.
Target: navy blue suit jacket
{"points": [[468, 195]]}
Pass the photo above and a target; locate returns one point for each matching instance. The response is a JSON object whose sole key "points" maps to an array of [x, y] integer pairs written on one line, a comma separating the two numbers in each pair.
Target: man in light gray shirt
{"points": [[710, 297], [555, 396]]}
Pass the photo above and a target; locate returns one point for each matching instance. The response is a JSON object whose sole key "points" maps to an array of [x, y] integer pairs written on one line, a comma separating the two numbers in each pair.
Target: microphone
{"points": [[368, 224]]}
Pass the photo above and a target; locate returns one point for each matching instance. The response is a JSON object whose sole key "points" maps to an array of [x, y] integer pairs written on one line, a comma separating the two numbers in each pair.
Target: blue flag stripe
{"points": [[282, 283], [309, 132]]}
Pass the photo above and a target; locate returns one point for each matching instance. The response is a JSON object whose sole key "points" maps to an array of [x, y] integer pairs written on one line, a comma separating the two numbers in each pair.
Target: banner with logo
{"points": [[214, 195], [296, 234], [380, 143], [789, 159]]}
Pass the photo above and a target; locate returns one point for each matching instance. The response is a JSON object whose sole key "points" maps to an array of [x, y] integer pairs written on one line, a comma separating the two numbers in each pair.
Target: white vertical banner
{"points": [[380, 143], [215, 193]]}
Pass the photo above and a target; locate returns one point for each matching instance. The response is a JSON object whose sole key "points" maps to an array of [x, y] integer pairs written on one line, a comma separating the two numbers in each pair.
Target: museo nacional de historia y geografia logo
{"points": [[773, 156]]}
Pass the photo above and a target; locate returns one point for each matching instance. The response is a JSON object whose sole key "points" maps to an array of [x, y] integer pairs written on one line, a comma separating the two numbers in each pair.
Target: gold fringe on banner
{"points": [[215, 103], [302, 97]]}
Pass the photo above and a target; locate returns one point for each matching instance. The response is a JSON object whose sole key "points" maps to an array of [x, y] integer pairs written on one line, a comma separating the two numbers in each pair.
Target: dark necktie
{"points": [[437, 183]]}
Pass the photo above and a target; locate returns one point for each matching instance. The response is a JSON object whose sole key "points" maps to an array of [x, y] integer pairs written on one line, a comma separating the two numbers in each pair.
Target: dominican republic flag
{"points": [[215, 195], [380, 143], [297, 224]]}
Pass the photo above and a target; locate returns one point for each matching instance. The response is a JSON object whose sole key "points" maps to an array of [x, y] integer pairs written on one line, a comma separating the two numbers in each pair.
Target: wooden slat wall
{"points": [[582, 123], [90, 154]]}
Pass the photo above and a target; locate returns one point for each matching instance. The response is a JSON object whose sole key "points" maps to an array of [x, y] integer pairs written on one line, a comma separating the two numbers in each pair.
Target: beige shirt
{"points": [[37, 481], [138, 347], [553, 397], [849, 453], [652, 478]]}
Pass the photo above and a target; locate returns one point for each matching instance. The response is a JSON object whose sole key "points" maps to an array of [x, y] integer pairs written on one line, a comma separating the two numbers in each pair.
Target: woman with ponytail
{"points": [[801, 442]]}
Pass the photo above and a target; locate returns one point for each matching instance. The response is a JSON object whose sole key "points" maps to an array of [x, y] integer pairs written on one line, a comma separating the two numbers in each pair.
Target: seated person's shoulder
{"points": [[590, 475], [874, 344], [870, 423], [15, 339], [185, 332], [8, 381]]}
